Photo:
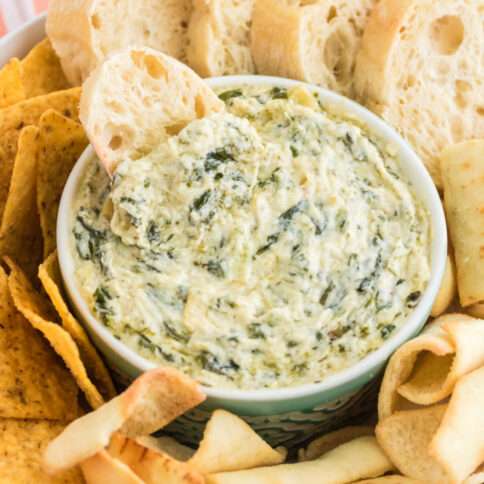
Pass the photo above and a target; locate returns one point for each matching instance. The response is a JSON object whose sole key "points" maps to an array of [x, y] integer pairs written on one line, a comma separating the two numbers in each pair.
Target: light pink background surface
{"points": [[14, 13]]}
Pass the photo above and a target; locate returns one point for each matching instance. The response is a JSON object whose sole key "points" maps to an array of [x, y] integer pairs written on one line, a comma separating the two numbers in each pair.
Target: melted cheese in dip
{"points": [[267, 246]]}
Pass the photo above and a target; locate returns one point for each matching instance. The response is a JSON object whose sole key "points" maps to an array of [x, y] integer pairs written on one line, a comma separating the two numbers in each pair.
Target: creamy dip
{"points": [[267, 246]]}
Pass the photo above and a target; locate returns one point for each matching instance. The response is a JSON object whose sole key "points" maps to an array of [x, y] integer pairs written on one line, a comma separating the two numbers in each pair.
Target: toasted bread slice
{"points": [[136, 98], [219, 37], [419, 69], [84, 32], [151, 402], [311, 40]]}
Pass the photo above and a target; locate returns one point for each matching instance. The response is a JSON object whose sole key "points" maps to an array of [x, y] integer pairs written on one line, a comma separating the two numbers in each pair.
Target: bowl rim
{"points": [[343, 378]]}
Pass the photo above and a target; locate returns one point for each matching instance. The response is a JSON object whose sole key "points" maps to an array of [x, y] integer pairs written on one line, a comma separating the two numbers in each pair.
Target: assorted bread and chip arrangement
{"points": [[127, 78]]}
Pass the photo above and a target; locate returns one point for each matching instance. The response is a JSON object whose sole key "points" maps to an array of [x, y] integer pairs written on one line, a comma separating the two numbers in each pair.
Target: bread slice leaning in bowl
{"points": [[84, 32], [219, 37], [310, 40], [137, 98], [420, 67]]}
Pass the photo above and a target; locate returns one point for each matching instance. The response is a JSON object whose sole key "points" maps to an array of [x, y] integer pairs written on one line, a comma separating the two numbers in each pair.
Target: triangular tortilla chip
{"points": [[34, 383], [230, 444], [151, 402], [11, 86], [20, 235], [42, 71], [37, 310], [405, 438], [359, 459], [22, 443], [50, 276], [62, 141], [16, 117], [458, 444]]}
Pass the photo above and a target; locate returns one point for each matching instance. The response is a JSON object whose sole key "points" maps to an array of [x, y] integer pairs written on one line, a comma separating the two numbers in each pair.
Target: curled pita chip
{"points": [[405, 438], [431, 381], [332, 440], [102, 468], [359, 459], [50, 277], [151, 402], [21, 445], [230, 444], [20, 235], [458, 444], [42, 72], [37, 310], [11, 86], [34, 384], [61, 142], [168, 445], [447, 291], [152, 466]]}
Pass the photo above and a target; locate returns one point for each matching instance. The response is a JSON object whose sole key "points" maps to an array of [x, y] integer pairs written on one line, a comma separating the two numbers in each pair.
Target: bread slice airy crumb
{"points": [[84, 32], [136, 99], [219, 37], [421, 67], [310, 40]]}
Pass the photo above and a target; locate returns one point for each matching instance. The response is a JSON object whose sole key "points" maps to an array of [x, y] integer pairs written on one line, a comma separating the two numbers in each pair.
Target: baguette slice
{"points": [[219, 37], [137, 98], [309, 40], [151, 402], [421, 68], [84, 32]]}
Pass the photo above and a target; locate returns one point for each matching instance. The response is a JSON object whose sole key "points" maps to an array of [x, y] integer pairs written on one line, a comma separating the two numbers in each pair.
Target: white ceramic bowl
{"points": [[332, 396]]}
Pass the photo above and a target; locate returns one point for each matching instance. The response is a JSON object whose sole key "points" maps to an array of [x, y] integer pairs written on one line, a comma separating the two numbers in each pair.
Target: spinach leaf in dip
{"points": [[268, 246]]}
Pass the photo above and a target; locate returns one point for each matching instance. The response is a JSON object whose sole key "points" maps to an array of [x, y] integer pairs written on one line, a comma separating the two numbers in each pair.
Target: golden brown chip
{"points": [[405, 438], [34, 383], [38, 311], [16, 117], [359, 459], [458, 444], [11, 87], [21, 445], [330, 441], [103, 468], [476, 310], [150, 465], [20, 235], [62, 141], [42, 72], [50, 277], [242, 448]]}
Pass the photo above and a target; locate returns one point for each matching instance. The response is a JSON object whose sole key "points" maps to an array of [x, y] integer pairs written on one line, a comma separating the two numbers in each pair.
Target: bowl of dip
{"points": [[278, 253]]}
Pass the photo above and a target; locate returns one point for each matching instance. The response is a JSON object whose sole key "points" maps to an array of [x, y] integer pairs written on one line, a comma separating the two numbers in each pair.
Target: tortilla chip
{"points": [[103, 468], [42, 71], [458, 444], [152, 466], [167, 445], [62, 141], [152, 401], [14, 118], [11, 87], [433, 340], [405, 438], [359, 459], [230, 444], [432, 381], [391, 480], [20, 235], [447, 291], [21, 445], [50, 277], [34, 383], [330, 441], [38, 311]]}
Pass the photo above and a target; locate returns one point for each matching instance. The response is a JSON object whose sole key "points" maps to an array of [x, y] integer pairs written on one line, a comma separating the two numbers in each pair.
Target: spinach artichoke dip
{"points": [[267, 246]]}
